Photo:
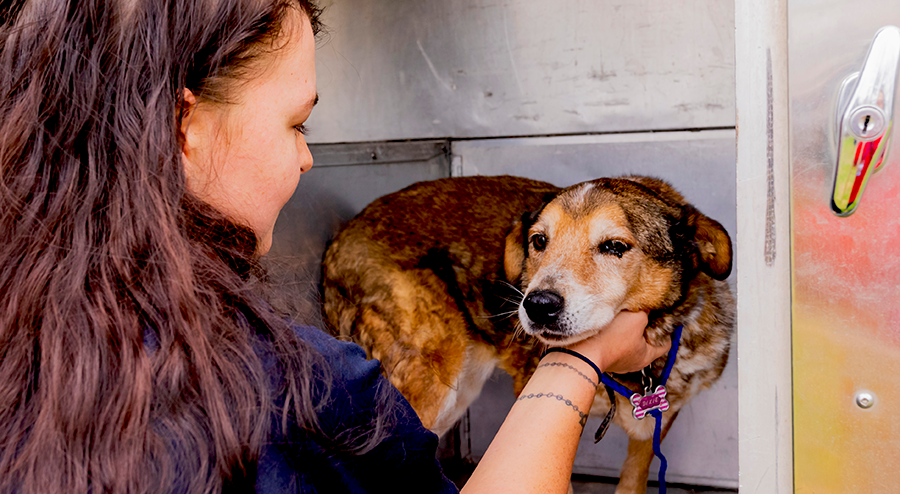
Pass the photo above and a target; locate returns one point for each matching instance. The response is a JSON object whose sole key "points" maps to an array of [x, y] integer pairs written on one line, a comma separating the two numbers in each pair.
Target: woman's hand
{"points": [[620, 346], [535, 448]]}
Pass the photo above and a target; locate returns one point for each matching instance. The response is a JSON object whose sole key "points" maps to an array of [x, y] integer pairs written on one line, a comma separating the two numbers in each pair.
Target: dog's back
{"points": [[417, 279]]}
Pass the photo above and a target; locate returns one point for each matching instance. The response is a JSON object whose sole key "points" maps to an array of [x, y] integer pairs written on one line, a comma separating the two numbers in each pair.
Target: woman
{"points": [[146, 148]]}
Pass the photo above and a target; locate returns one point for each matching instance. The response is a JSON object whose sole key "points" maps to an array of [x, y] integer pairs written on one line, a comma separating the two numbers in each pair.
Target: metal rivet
{"points": [[865, 399]]}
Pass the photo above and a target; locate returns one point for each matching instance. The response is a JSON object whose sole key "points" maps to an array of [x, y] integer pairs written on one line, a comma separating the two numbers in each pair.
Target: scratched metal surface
{"points": [[846, 271], [344, 179], [401, 69], [702, 445]]}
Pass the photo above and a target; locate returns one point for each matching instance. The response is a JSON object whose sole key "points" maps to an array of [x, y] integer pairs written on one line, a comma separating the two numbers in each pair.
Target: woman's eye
{"points": [[538, 241], [614, 248], [301, 129]]}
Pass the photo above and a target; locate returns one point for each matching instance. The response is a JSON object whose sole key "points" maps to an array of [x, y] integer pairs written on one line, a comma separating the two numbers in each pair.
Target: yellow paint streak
{"points": [[839, 447]]}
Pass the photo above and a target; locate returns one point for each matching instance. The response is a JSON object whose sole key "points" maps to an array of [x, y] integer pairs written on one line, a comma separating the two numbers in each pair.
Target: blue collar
{"points": [[657, 414]]}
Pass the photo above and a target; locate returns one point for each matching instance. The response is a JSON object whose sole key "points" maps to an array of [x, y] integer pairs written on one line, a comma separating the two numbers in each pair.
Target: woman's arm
{"points": [[535, 447]]}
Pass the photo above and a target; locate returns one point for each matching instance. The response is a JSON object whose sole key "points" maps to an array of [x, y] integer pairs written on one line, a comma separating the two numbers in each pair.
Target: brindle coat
{"points": [[423, 280]]}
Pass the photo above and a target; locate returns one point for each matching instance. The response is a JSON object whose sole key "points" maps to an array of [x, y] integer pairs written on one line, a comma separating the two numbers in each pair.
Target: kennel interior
{"points": [[563, 92]]}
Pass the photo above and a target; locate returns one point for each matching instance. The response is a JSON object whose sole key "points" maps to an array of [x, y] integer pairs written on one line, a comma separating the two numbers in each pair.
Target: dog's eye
{"points": [[614, 247], [538, 241]]}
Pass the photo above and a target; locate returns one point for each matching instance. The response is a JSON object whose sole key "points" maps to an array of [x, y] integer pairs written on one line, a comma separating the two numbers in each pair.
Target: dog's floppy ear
{"points": [[516, 251], [713, 243]]}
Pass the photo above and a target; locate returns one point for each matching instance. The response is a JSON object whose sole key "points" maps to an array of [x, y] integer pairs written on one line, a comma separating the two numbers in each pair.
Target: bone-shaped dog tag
{"points": [[650, 401]]}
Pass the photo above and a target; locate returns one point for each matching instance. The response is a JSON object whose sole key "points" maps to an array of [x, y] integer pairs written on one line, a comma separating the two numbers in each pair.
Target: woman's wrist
{"points": [[566, 378], [593, 374], [564, 367]]}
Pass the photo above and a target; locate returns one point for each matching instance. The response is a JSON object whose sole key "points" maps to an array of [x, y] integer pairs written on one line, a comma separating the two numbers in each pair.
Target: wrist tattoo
{"points": [[582, 417], [563, 364]]}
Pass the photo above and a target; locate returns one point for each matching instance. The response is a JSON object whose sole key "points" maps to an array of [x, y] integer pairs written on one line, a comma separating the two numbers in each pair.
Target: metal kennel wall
{"points": [[561, 91]]}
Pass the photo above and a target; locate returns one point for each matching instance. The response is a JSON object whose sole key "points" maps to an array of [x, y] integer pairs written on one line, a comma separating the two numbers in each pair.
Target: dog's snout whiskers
{"points": [[500, 316], [510, 285], [518, 332]]}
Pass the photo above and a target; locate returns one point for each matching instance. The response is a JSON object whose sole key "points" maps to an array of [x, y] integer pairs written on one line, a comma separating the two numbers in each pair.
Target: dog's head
{"points": [[600, 247]]}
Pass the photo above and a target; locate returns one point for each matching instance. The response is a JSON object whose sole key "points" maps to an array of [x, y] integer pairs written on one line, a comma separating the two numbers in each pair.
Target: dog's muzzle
{"points": [[543, 307]]}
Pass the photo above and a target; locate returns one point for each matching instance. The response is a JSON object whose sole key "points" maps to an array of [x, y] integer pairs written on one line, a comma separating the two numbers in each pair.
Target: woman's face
{"points": [[245, 157]]}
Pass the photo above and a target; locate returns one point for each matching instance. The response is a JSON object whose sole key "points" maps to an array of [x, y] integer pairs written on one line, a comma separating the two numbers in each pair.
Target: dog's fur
{"points": [[427, 280]]}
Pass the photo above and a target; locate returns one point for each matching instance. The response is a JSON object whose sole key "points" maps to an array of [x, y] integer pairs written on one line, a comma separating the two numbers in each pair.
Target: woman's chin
{"points": [[264, 245]]}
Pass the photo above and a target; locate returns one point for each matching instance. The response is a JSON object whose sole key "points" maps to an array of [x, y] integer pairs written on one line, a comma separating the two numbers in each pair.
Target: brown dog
{"points": [[428, 280]]}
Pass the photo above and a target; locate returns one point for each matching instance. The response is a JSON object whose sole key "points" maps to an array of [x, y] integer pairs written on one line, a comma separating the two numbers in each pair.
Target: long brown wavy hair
{"points": [[106, 253]]}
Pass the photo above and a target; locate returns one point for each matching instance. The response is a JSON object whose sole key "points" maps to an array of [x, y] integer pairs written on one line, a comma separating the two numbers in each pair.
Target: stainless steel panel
{"points": [[400, 69], [344, 179], [702, 445], [699, 164], [846, 271]]}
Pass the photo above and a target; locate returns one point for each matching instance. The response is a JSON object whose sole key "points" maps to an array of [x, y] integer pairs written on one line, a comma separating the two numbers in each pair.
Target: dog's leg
{"points": [[636, 469], [425, 372], [420, 334]]}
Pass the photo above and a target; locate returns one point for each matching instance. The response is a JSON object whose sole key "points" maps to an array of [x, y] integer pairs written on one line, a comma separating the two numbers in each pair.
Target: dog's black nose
{"points": [[543, 306]]}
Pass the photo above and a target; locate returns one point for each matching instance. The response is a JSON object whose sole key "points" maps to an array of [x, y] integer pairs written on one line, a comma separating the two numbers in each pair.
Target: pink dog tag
{"points": [[654, 401]]}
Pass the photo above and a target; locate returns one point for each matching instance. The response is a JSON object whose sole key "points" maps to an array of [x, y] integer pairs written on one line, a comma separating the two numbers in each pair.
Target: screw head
{"points": [[865, 399]]}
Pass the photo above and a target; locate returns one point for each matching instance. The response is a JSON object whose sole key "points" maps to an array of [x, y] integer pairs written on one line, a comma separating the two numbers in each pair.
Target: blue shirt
{"points": [[300, 462]]}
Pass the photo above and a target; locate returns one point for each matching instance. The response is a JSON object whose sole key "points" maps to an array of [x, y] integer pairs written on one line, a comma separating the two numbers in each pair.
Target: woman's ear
{"points": [[199, 126], [187, 135]]}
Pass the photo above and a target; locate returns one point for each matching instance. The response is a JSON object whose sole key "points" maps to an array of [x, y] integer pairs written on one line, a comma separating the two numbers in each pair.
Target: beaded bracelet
{"points": [[572, 368], [582, 417], [575, 354]]}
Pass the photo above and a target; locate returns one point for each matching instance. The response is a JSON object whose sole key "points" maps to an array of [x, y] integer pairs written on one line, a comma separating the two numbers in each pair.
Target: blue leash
{"points": [[657, 430]]}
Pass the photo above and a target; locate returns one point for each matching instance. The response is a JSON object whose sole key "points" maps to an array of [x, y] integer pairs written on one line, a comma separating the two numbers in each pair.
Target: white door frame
{"points": [[763, 247]]}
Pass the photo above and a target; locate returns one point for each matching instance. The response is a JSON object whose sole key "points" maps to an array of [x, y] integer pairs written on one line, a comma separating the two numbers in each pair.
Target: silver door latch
{"points": [[865, 120]]}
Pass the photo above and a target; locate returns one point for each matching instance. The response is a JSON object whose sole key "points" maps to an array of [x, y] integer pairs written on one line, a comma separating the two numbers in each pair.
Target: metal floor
{"points": [[459, 470], [600, 485]]}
